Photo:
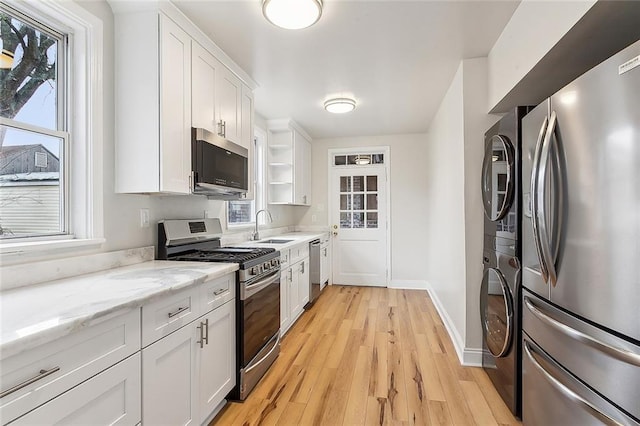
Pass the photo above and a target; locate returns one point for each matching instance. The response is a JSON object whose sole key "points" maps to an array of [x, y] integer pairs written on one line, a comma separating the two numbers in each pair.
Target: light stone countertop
{"points": [[37, 314], [295, 237]]}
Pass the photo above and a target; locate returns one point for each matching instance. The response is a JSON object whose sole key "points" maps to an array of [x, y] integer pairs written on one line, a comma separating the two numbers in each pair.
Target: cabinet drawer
{"points": [[112, 397], [169, 313], [62, 364], [299, 252], [217, 292]]}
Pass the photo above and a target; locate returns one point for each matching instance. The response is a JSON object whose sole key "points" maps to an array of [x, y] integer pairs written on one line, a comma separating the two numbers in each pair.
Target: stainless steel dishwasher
{"points": [[319, 267]]}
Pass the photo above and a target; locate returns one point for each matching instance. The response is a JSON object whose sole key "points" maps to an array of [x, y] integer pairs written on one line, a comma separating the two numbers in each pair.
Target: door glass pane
{"points": [[358, 220], [358, 201], [345, 183], [345, 220], [30, 185], [345, 202], [358, 183], [378, 158], [340, 160], [351, 159], [372, 220], [372, 183], [372, 201]]}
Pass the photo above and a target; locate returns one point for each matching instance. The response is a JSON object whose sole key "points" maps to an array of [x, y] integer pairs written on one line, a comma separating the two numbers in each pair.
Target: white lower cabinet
{"points": [[217, 361], [186, 374], [294, 293], [112, 397]]}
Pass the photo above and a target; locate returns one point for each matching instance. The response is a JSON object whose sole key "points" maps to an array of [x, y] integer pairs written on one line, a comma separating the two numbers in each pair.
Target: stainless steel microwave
{"points": [[219, 167]]}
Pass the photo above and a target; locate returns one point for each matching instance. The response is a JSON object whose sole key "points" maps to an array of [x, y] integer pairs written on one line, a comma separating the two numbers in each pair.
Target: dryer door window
{"points": [[497, 177], [496, 310]]}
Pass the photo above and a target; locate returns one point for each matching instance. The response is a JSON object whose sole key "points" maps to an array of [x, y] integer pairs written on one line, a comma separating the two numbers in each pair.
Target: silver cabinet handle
{"points": [[178, 312], [540, 211], [41, 375], [325, 252], [618, 353], [566, 391], [302, 267], [224, 129], [201, 341], [220, 291], [220, 133], [206, 331]]}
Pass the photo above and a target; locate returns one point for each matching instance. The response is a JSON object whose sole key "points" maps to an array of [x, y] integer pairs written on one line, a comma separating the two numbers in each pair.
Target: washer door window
{"points": [[496, 310], [497, 177]]}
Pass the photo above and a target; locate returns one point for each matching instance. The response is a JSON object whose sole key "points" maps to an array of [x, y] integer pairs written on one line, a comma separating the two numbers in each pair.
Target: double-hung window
{"points": [[34, 138], [243, 213], [51, 116]]}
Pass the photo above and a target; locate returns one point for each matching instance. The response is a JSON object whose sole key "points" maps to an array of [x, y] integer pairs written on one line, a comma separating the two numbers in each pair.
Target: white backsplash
{"points": [[51, 270]]}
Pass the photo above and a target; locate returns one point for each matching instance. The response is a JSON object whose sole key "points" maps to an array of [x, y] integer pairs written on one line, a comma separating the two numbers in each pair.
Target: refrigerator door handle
{"points": [[605, 418], [534, 200], [541, 208], [615, 352]]}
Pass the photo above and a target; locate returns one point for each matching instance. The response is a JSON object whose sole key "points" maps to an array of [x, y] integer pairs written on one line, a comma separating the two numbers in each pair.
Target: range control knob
{"points": [[266, 265]]}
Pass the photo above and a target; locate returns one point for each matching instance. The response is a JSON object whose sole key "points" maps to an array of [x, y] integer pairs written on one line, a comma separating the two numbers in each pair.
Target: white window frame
{"points": [[84, 226], [259, 183]]}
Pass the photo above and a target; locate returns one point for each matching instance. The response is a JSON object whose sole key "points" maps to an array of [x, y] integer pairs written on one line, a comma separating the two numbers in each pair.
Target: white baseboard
{"points": [[469, 357], [409, 284]]}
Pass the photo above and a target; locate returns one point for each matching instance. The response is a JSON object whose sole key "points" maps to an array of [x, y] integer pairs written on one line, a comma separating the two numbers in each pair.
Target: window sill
{"points": [[8, 249]]}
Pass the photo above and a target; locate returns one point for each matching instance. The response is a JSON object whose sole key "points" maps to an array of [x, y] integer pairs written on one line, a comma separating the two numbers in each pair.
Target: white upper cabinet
{"points": [[169, 78], [204, 70], [247, 140], [229, 93], [302, 167], [289, 163], [175, 107]]}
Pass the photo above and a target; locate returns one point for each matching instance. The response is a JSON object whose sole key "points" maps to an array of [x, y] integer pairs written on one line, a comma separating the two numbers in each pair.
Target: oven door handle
{"points": [[250, 290]]}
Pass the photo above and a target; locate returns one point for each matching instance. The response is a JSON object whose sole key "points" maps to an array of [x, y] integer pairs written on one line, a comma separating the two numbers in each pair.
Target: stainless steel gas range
{"points": [[258, 287]]}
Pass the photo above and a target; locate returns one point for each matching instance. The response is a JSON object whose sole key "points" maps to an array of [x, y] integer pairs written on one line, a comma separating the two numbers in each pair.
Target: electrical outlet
{"points": [[144, 218]]}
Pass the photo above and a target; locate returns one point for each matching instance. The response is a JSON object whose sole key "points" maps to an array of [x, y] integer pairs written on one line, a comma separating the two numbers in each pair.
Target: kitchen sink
{"points": [[275, 241]]}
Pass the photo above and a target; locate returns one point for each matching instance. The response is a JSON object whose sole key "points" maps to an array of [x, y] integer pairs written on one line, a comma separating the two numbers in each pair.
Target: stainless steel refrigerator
{"points": [[581, 249]]}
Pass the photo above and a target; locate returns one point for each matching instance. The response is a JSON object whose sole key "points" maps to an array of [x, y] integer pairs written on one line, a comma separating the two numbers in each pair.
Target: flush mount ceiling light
{"points": [[292, 14], [363, 160], [340, 105]]}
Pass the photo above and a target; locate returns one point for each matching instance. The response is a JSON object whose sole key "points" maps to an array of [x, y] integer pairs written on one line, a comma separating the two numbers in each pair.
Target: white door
{"points": [[359, 225]]}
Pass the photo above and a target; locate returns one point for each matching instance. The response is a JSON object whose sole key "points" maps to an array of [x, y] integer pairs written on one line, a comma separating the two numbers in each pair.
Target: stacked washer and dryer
{"points": [[500, 289]]}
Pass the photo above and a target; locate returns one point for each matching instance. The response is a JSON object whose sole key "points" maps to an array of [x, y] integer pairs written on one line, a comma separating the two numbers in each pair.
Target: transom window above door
{"points": [[358, 159], [359, 201]]}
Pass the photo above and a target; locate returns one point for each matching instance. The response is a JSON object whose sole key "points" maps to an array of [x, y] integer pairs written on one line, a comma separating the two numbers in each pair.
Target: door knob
{"points": [[335, 234], [335, 226]]}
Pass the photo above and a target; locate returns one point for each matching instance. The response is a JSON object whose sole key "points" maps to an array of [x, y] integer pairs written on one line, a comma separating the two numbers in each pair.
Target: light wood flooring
{"points": [[369, 356]]}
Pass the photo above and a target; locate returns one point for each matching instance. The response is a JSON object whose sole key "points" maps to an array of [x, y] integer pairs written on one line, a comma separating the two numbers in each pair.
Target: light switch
{"points": [[144, 218]]}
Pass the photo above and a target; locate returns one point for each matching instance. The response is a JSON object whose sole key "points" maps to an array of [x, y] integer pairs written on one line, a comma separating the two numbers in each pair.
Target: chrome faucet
{"points": [[256, 236]]}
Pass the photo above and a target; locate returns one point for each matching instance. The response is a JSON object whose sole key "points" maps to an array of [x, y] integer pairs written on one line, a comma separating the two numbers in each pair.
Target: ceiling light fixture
{"points": [[363, 160], [340, 105], [292, 14]]}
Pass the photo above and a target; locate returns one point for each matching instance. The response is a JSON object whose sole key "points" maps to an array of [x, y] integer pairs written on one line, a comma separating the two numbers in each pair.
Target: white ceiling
{"points": [[396, 58]]}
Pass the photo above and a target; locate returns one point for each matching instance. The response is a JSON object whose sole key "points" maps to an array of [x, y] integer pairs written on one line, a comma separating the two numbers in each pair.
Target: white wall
{"points": [[476, 122], [122, 211], [535, 27], [455, 143], [444, 192], [409, 210]]}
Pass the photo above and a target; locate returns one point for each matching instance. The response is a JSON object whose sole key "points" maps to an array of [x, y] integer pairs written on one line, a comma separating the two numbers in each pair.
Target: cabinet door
{"points": [[302, 169], [204, 70], [217, 359], [294, 292], [169, 381], [285, 309], [303, 282], [175, 107], [112, 397], [229, 93], [247, 136]]}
